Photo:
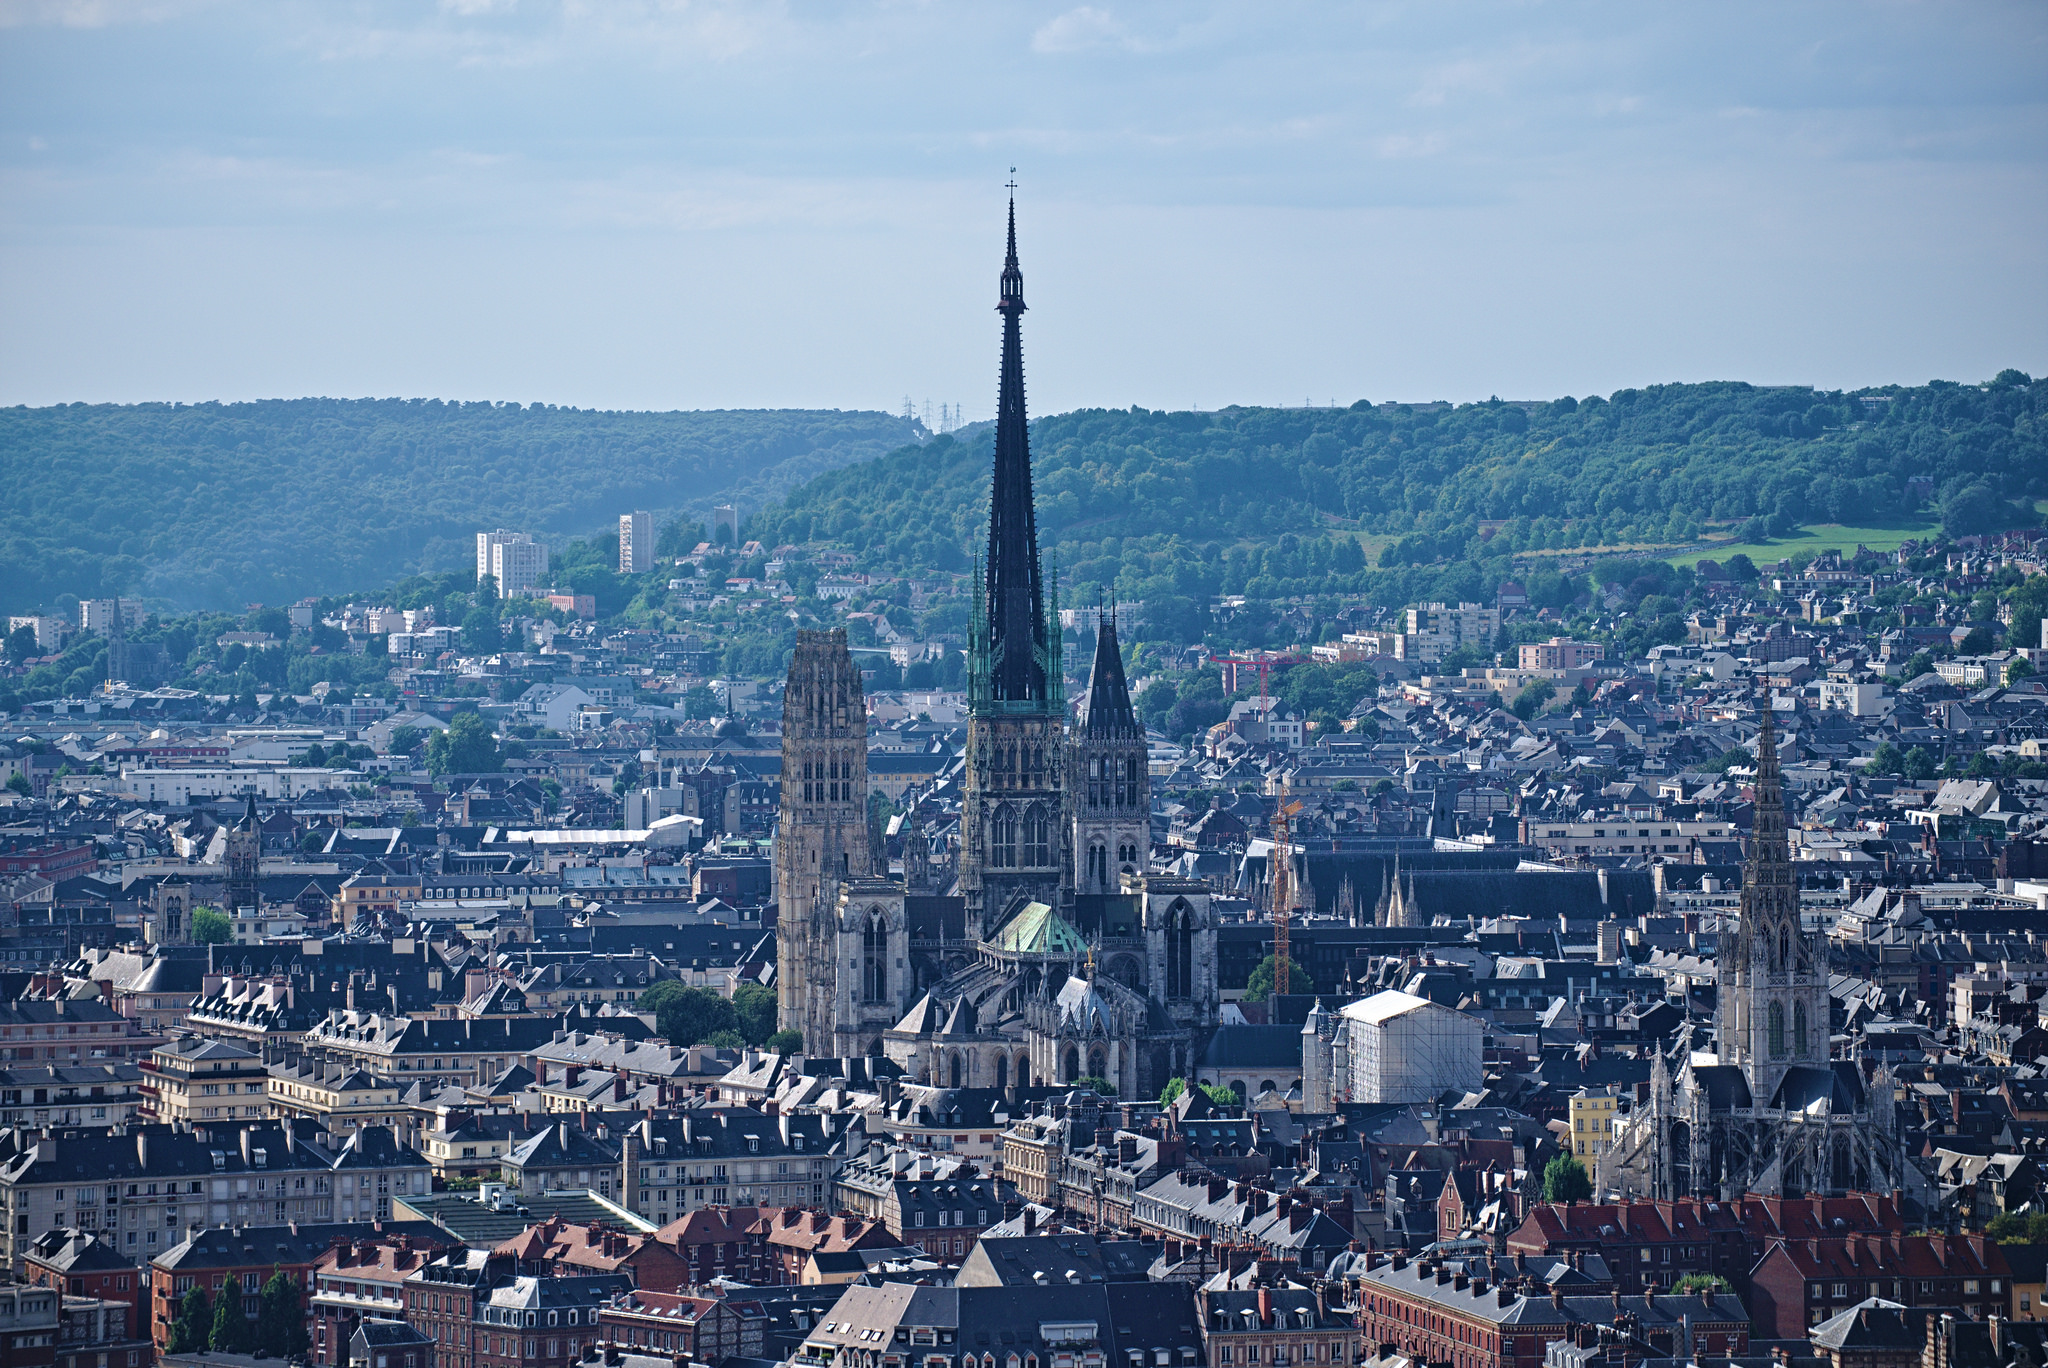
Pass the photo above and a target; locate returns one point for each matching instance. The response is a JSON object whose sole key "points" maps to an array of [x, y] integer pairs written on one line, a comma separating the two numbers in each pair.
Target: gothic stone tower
{"points": [[821, 841], [1772, 1009], [243, 860], [1014, 837], [1108, 785]]}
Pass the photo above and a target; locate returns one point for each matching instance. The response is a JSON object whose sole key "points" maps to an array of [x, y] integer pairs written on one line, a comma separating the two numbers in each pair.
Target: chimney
{"points": [[1650, 1298], [1706, 1298], [1557, 1298], [1265, 1306]]}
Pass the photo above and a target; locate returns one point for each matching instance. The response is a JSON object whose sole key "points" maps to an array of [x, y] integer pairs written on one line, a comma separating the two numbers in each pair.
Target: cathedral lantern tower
{"points": [[1772, 1011], [1014, 834], [821, 839]]}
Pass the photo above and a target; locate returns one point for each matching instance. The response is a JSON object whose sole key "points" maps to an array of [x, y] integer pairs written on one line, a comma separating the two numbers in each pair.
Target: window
{"points": [[1799, 1028], [1777, 1030], [874, 975], [1002, 840]]}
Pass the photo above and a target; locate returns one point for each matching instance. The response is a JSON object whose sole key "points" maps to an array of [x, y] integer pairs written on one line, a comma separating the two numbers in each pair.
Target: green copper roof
{"points": [[1038, 930]]}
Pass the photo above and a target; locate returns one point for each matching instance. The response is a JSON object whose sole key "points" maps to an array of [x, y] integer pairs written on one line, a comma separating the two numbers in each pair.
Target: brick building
{"points": [[596, 1248], [362, 1279], [79, 1264], [250, 1254], [1431, 1314], [791, 1235], [679, 1326], [1654, 1244], [1800, 1283]]}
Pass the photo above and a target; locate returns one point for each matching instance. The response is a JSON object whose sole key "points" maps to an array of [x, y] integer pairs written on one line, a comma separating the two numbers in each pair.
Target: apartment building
{"points": [[1559, 653], [1625, 833], [194, 1078], [514, 559], [636, 543]]}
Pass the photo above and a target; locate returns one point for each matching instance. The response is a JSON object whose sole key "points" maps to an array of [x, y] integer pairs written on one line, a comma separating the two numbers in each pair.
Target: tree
{"points": [[1096, 1083], [1977, 641], [1533, 696], [1169, 1094], [18, 782], [21, 644], [1259, 986], [700, 703], [1565, 1180], [687, 1016], [404, 740], [232, 1333], [467, 747], [725, 1040], [1919, 764], [210, 926], [1221, 1095], [280, 1317], [1701, 1282], [480, 634], [754, 1005], [1886, 759], [1920, 663], [787, 1042], [194, 1322], [2017, 669]]}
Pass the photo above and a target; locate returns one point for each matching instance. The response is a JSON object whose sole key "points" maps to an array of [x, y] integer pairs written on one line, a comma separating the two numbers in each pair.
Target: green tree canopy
{"points": [[787, 1042], [232, 1331], [281, 1317], [1565, 1180], [688, 1016], [1260, 985], [210, 926], [194, 1323], [467, 747], [755, 1007]]}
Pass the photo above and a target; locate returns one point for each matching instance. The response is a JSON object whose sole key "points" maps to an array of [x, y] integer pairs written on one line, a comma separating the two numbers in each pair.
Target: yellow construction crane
{"points": [[1282, 861]]}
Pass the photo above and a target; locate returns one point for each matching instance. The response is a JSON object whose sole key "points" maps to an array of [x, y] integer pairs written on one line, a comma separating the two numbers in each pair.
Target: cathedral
{"points": [[1057, 955], [1769, 1111]]}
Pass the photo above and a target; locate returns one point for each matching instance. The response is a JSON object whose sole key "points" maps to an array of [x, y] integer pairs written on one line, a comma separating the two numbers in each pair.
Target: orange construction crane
{"points": [[1282, 864]]}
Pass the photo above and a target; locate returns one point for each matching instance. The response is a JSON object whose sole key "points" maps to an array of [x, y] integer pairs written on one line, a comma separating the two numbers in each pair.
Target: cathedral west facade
{"points": [[1057, 955], [1768, 1110]]}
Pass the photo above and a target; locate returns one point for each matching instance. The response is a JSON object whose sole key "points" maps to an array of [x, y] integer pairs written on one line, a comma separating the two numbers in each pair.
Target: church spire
{"points": [[1015, 647], [1107, 710]]}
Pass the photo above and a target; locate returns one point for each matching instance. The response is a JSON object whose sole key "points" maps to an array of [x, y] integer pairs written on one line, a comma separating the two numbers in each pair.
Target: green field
{"points": [[1824, 537]]}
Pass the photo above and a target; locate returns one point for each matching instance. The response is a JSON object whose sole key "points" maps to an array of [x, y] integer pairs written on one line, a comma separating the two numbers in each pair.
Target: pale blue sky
{"points": [[691, 205]]}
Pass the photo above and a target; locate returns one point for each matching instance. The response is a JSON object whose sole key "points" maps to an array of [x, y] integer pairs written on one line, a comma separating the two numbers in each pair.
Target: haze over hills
{"points": [[220, 505], [217, 505]]}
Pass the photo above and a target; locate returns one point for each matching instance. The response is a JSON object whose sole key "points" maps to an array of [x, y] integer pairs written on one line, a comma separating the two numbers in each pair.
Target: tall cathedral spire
{"points": [[1107, 711], [1015, 645]]}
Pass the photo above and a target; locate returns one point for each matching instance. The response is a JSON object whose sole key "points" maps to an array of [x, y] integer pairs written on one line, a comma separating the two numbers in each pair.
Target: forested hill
{"points": [[217, 505], [1394, 500]]}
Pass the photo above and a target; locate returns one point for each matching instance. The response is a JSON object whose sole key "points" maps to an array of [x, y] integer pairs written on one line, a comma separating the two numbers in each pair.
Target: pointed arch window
{"points": [[1002, 838], [874, 958], [1037, 837], [1784, 948], [1776, 1029], [1799, 1029], [1180, 946]]}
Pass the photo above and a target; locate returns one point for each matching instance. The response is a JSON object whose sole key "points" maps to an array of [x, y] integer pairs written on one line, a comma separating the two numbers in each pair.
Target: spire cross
{"points": [[1011, 184]]}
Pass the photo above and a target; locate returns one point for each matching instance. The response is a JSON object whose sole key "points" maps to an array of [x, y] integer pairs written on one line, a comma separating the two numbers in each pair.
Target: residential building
{"points": [[70, 1094], [30, 1320], [1800, 1283], [149, 1187], [1590, 1114], [514, 559], [636, 543], [336, 1098], [1431, 1313], [193, 1078], [597, 1247], [1559, 653], [678, 1326], [250, 1255], [1641, 833], [359, 1279], [541, 1321], [1267, 1324], [389, 1344], [1058, 1323]]}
